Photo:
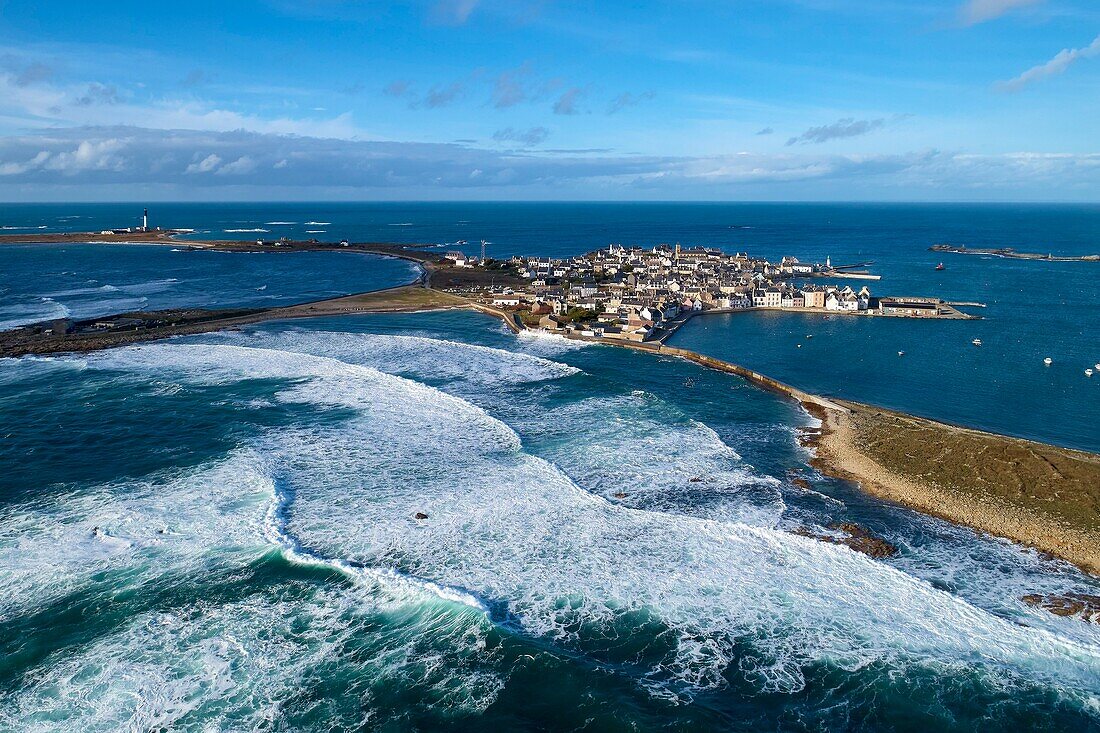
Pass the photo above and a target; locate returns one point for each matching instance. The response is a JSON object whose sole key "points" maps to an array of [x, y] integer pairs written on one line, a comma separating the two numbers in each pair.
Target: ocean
{"points": [[220, 532]]}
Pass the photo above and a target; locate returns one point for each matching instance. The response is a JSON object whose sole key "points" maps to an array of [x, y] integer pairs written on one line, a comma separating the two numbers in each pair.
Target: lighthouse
{"points": [[145, 220]]}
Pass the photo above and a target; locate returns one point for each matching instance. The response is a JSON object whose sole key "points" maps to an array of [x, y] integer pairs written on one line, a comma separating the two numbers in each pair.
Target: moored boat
{"points": [[977, 342], [1048, 361]]}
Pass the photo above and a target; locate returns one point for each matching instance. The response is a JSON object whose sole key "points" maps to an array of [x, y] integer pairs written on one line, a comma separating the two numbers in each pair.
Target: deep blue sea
{"points": [[219, 532]]}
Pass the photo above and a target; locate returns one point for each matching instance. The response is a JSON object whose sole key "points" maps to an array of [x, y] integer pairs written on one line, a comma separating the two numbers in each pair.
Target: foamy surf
{"points": [[511, 527]]}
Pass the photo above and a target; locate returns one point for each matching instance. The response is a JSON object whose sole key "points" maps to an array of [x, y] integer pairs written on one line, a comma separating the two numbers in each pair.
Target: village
{"points": [[642, 294]]}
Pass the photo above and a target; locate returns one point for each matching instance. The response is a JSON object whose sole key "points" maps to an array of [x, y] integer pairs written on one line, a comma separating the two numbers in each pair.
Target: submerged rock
{"points": [[1080, 605], [854, 537]]}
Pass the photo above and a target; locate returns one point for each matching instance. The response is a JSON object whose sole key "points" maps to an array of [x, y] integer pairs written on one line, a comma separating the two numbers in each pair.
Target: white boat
{"points": [[1088, 372], [977, 342], [901, 353], [1048, 361], [1098, 367]]}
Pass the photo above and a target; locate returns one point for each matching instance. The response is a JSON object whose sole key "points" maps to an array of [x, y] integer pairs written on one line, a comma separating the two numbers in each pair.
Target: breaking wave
{"points": [[529, 541], [558, 562]]}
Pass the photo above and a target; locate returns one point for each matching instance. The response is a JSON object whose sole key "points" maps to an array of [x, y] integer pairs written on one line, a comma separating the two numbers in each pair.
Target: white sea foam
{"points": [[236, 666], [39, 309], [279, 223], [510, 527], [548, 344], [151, 286], [83, 291], [144, 529], [318, 223], [315, 231], [515, 530], [423, 357], [237, 231]]}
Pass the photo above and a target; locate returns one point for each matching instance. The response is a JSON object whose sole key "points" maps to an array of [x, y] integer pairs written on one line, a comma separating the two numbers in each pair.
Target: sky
{"points": [[820, 100]]}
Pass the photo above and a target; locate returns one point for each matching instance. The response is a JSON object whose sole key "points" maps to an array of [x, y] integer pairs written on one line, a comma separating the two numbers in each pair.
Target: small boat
{"points": [[1088, 372], [1098, 367], [977, 342], [800, 346], [1048, 361], [940, 267], [901, 353], [809, 335]]}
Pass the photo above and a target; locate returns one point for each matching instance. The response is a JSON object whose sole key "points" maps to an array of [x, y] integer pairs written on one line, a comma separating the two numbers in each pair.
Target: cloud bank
{"points": [[94, 159]]}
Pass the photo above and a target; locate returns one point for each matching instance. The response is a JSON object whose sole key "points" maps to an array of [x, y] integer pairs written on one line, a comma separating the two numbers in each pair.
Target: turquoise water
{"points": [[44, 281], [219, 533]]}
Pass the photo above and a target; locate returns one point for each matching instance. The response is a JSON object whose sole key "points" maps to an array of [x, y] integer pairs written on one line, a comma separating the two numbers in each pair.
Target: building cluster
{"points": [[631, 293]]}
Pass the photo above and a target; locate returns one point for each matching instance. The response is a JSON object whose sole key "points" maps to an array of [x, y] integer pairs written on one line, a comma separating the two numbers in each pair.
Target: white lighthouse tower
{"points": [[145, 220]]}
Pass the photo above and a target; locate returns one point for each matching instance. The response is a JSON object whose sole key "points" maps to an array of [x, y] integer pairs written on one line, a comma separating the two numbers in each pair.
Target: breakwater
{"points": [[1012, 254]]}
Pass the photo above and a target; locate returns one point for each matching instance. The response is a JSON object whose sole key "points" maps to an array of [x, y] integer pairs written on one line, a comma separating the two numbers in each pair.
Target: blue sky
{"points": [[549, 99]]}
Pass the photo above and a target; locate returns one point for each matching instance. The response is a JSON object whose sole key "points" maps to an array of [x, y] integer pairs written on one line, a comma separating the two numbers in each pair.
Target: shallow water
{"points": [[41, 282]]}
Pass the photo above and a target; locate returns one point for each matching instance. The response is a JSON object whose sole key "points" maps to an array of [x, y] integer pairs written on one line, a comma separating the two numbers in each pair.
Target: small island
{"points": [[1010, 253], [635, 298]]}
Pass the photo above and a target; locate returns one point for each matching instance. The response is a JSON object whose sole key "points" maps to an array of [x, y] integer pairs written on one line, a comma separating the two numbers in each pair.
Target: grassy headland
{"points": [[1039, 495]]}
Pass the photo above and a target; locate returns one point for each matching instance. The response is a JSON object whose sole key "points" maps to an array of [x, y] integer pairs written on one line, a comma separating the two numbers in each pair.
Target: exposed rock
{"points": [[620, 495], [801, 483], [695, 479], [421, 515], [1081, 605], [856, 538]]}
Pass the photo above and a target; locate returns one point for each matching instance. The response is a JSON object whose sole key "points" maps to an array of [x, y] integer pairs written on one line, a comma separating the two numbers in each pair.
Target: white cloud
{"points": [[1062, 61], [239, 167], [15, 168], [206, 165], [979, 11], [89, 155]]}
